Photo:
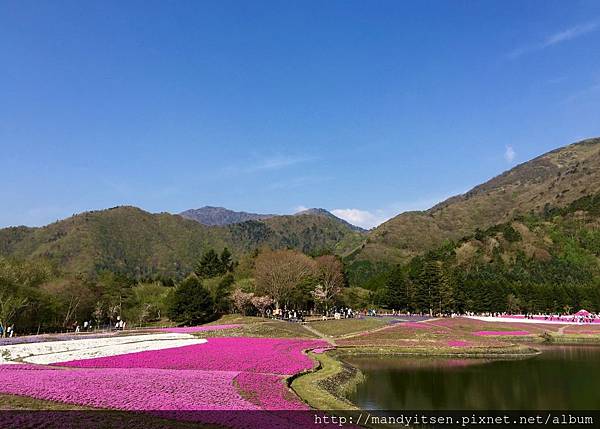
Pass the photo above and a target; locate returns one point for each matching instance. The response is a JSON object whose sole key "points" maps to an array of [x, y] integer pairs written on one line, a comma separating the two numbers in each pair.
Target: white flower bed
{"points": [[63, 351]]}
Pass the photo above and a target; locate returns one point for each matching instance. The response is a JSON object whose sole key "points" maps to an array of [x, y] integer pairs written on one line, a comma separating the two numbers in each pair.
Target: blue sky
{"points": [[364, 108]]}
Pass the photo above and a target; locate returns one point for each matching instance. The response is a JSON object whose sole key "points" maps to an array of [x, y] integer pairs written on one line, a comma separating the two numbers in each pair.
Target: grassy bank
{"points": [[326, 387]]}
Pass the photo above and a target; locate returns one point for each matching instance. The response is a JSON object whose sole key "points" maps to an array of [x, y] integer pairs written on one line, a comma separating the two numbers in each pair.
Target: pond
{"points": [[562, 377]]}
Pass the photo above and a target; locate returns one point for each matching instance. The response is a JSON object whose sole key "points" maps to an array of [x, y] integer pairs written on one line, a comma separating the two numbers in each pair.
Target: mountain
{"points": [[218, 216], [141, 244], [213, 216], [554, 179], [326, 213]]}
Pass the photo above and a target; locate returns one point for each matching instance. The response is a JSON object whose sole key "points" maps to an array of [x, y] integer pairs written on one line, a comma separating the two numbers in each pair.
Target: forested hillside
{"points": [[139, 244], [554, 179], [544, 262]]}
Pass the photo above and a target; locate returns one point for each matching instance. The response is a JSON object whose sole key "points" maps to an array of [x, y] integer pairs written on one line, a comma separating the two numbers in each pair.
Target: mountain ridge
{"points": [[219, 216], [553, 179]]}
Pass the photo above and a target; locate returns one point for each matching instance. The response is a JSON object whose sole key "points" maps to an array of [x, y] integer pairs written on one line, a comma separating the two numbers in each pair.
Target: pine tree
{"points": [[210, 265], [191, 303]]}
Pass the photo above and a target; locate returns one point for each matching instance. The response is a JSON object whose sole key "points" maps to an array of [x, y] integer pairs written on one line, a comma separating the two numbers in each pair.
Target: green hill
{"points": [[132, 241], [544, 262], [554, 179]]}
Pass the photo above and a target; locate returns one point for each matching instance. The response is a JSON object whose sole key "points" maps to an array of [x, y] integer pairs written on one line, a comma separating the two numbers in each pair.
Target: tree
{"points": [[222, 293], [209, 265], [430, 283], [212, 265], [279, 272], [330, 277], [242, 301], [398, 293], [262, 303], [10, 306], [191, 303], [226, 261]]}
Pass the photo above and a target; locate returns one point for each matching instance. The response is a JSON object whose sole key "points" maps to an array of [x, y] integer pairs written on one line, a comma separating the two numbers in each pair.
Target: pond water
{"points": [[559, 378]]}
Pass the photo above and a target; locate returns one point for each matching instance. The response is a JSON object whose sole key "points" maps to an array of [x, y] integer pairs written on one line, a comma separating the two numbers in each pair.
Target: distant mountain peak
{"points": [[218, 216], [327, 213]]}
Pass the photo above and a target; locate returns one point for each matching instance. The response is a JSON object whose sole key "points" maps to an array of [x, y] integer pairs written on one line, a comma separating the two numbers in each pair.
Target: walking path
{"points": [[319, 334]]}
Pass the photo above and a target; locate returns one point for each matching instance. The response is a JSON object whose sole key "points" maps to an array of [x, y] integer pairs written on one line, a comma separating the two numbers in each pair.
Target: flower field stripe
{"points": [[263, 355], [111, 350], [57, 351], [128, 389], [501, 333]]}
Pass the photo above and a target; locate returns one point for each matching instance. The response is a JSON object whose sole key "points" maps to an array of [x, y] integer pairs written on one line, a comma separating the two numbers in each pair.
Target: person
{"points": [[1, 330], [76, 327], [10, 331]]}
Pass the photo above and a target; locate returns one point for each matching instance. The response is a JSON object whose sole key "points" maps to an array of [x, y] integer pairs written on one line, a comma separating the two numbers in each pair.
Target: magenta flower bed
{"points": [[500, 333], [268, 391], [127, 388], [267, 355], [190, 329]]}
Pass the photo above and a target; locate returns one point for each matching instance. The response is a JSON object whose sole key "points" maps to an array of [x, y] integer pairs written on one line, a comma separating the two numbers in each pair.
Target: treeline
{"points": [[553, 269], [36, 297]]}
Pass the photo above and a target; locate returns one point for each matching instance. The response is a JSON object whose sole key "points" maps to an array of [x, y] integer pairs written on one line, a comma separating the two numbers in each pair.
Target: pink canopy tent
{"points": [[582, 313]]}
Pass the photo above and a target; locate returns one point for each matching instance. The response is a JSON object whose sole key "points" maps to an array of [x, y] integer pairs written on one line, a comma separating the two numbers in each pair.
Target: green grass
{"points": [[15, 402], [310, 386], [231, 319], [258, 327], [338, 328]]}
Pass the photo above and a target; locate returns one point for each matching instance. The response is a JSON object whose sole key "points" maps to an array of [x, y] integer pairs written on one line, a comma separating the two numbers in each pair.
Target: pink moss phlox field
{"points": [[190, 329], [458, 343], [268, 391], [267, 355], [500, 333], [128, 388]]}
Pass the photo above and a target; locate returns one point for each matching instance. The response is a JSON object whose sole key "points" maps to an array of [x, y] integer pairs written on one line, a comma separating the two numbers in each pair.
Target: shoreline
{"points": [[325, 387]]}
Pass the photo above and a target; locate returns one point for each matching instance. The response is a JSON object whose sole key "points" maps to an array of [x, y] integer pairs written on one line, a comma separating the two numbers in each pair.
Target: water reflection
{"points": [[560, 378]]}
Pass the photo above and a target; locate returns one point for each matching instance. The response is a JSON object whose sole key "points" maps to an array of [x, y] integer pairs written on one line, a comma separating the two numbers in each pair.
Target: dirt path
{"points": [[319, 334]]}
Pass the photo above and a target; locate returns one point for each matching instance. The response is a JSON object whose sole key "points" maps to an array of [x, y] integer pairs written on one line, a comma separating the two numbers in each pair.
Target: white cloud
{"points": [[556, 38], [277, 162], [264, 164], [509, 154], [362, 218], [570, 33], [299, 209]]}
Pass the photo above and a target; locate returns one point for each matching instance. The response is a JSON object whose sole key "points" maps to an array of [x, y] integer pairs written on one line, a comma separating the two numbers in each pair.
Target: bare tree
{"points": [[9, 309], [279, 272], [330, 275], [71, 310], [98, 313]]}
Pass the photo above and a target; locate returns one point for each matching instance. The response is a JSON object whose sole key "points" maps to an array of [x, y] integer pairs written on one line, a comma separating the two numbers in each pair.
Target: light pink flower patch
{"points": [[321, 350], [414, 325], [458, 343], [266, 355], [190, 329], [500, 333]]}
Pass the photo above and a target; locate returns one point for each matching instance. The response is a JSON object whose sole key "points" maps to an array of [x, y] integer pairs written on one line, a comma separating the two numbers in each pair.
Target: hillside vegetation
{"points": [[554, 179], [131, 241], [544, 262]]}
